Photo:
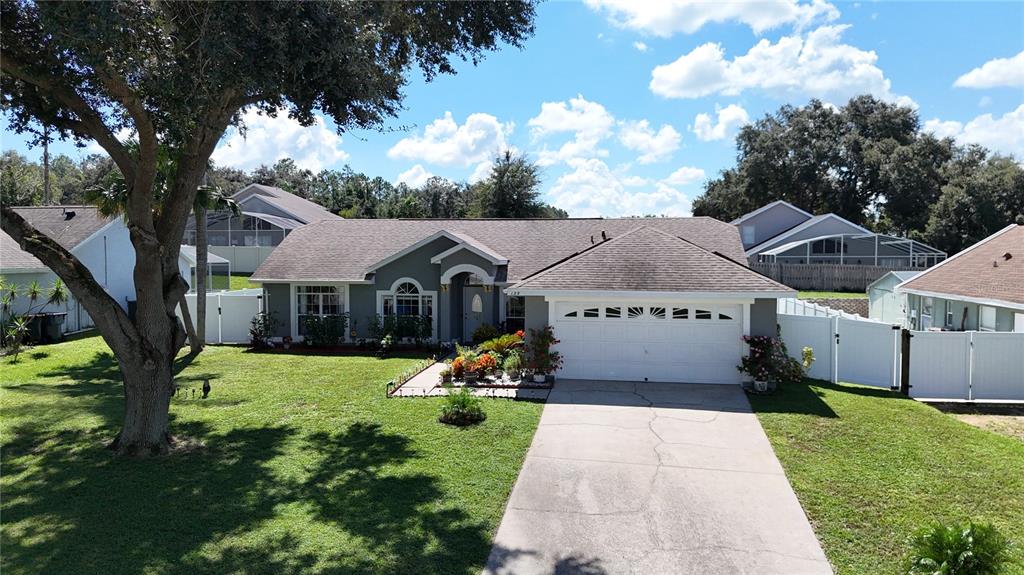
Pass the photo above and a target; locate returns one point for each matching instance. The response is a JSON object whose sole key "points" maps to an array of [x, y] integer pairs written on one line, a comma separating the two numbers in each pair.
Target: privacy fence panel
{"points": [[228, 314], [998, 366], [800, 331], [867, 352], [940, 365]]}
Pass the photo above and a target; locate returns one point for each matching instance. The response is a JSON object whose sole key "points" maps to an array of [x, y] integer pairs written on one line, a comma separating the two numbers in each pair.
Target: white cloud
{"points": [[641, 46], [414, 177], [665, 18], [817, 64], [481, 171], [653, 146], [985, 102], [1003, 134], [592, 189], [1000, 72], [589, 121], [446, 143], [684, 176], [730, 119], [266, 140]]}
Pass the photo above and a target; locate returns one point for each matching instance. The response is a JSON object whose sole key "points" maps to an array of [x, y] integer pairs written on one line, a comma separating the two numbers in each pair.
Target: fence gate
{"points": [[228, 314], [868, 352], [800, 331], [940, 365]]}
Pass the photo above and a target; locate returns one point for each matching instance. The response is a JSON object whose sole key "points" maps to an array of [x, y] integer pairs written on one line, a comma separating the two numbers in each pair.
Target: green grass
{"points": [[871, 467], [306, 468], [241, 281], [831, 295]]}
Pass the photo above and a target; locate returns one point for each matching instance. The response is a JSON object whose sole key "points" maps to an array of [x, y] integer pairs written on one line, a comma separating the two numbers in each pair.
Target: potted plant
{"points": [[542, 359], [513, 365], [471, 369], [769, 364], [286, 342], [458, 368], [446, 375], [486, 364]]}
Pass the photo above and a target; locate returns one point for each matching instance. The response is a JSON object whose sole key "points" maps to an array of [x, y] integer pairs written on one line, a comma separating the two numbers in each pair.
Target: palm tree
{"points": [[207, 198], [111, 197]]}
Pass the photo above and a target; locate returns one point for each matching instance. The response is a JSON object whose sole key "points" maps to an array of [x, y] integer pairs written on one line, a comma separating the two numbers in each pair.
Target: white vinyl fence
{"points": [[794, 306], [228, 314], [854, 350], [972, 366]]}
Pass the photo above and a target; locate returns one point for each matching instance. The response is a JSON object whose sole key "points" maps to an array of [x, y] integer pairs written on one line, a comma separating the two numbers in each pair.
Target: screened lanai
{"points": [[249, 229], [856, 249]]}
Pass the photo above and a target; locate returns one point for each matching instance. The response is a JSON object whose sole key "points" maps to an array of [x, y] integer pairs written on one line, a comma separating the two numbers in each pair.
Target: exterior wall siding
{"points": [[278, 302], [772, 222], [1004, 316], [536, 312], [762, 317]]}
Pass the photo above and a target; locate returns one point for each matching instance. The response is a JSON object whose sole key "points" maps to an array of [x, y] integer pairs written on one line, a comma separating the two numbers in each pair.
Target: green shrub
{"points": [[958, 550], [502, 345], [513, 364], [461, 408], [485, 332], [261, 329], [324, 331]]}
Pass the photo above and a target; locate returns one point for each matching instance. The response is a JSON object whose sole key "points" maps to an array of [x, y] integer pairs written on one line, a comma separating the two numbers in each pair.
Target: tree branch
{"points": [[102, 308], [89, 121]]}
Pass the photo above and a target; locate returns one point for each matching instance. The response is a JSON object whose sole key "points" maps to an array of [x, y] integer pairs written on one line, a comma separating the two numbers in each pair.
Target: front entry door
{"points": [[472, 311]]}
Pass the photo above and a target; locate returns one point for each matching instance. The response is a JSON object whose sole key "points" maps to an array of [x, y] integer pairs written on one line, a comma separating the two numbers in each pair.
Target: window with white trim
{"points": [[407, 301], [317, 301], [986, 318], [926, 312], [515, 313]]}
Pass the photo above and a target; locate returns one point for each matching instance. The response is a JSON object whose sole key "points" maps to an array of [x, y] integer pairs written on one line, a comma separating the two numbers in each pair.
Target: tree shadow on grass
{"points": [[401, 517], [75, 508]]}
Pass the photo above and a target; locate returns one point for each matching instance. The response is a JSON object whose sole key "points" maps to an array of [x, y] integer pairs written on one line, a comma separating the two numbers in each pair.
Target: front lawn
{"points": [[871, 467], [306, 468], [831, 295]]}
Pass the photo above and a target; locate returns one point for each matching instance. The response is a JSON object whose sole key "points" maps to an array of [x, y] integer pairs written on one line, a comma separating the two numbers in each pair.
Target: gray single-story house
{"points": [[884, 303], [980, 288], [782, 233], [658, 299], [268, 214]]}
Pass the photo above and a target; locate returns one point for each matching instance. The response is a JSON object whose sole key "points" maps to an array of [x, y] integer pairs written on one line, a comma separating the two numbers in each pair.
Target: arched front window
{"points": [[407, 300]]}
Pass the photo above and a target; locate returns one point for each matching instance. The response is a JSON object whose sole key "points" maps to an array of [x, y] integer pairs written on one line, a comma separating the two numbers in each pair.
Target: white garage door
{"points": [[693, 343]]}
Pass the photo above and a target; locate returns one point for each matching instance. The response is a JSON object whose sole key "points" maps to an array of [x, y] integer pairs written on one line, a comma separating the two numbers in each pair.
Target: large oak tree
{"points": [[176, 75]]}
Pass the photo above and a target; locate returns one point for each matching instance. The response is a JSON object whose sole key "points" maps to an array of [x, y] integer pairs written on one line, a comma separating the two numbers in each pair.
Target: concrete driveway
{"points": [[652, 478]]}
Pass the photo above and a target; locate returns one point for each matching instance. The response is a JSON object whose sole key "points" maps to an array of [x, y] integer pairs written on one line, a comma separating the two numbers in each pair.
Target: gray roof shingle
{"points": [[650, 259], [55, 223], [342, 250], [301, 208]]}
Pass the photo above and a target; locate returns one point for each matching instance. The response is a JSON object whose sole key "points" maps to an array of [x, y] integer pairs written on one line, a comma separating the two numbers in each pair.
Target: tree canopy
{"points": [[176, 75], [869, 162]]}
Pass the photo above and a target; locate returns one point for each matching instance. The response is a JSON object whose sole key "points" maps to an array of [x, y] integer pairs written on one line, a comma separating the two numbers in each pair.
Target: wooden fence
{"points": [[824, 277]]}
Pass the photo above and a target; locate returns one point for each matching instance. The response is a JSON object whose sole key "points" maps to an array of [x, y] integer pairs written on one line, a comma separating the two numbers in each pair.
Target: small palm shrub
{"points": [[461, 408], [502, 345], [484, 333], [958, 550]]}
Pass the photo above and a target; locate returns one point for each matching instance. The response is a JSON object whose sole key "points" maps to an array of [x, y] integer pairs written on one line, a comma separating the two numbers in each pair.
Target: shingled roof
{"points": [[68, 225], [303, 209], [982, 271], [649, 259], [343, 250]]}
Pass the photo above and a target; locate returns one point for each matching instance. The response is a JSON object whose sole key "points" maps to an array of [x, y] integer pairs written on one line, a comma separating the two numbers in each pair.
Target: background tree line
{"points": [[511, 190], [870, 163]]}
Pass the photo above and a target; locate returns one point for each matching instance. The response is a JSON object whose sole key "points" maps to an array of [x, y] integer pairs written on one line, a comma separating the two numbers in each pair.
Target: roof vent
{"points": [[68, 214], [591, 239], [604, 236], [1007, 256]]}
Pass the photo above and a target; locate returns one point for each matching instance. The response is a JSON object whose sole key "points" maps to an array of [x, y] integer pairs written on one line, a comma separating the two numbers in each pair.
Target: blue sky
{"points": [[631, 106]]}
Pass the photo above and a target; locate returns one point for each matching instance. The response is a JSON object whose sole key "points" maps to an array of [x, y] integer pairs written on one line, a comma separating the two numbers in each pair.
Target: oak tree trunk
{"points": [[147, 397]]}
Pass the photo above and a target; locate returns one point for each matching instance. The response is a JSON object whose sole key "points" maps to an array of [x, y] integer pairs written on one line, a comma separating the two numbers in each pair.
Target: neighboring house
{"points": [[884, 304], [659, 299], [269, 214], [101, 243], [218, 270], [783, 233], [980, 288]]}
